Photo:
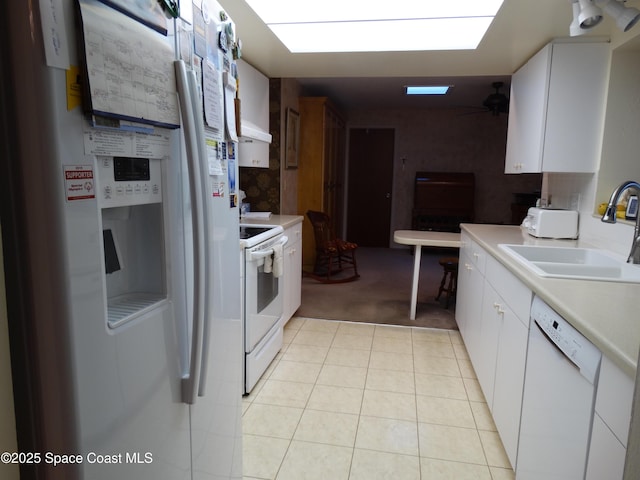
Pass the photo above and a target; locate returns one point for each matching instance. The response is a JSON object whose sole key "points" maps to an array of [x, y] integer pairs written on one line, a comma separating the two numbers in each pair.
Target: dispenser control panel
{"points": [[125, 181]]}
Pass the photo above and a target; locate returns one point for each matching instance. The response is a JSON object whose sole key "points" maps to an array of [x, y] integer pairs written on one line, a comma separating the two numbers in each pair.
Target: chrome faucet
{"points": [[610, 217]]}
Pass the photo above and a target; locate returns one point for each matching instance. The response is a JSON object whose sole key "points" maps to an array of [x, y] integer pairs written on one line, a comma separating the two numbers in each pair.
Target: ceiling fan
{"points": [[497, 102]]}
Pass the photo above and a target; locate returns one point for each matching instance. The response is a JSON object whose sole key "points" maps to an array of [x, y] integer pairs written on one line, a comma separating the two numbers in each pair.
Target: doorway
{"points": [[370, 186]]}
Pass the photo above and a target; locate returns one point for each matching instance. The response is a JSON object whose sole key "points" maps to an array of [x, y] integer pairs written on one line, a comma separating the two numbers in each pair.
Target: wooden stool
{"points": [[450, 267]]}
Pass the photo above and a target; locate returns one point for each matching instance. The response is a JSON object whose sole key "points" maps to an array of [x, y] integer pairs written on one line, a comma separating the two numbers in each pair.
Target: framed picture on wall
{"points": [[292, 139]]}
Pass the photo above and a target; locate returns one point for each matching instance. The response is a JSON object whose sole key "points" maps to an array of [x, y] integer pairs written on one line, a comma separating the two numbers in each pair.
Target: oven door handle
{"points": [[265, 253]]}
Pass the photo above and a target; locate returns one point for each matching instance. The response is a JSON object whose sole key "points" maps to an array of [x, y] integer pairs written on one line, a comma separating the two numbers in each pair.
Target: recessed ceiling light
{"points": [[427, 89], [376, 25]]}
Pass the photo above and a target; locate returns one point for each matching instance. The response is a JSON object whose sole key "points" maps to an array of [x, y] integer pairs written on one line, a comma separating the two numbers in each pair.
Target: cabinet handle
{"points": [[467, 266], [498, 308], [476, 255]]}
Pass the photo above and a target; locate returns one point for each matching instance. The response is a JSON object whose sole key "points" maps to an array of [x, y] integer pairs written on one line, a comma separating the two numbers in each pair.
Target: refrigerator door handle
{"points": [[189, 381], [207, 215]]}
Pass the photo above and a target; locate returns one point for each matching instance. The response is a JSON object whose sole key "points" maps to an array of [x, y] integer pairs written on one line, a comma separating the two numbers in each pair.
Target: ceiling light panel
{"points": [[296, 11], [383, 36], [376, 25], [426, 89]]}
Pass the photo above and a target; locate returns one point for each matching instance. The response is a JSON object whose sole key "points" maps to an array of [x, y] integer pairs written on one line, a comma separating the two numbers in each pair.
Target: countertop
{"points": [[285, 221], [427, 238], [607, 313]]}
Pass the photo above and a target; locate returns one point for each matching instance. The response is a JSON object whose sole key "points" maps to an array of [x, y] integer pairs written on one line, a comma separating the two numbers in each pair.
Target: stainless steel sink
{"points": [[569, 262]]}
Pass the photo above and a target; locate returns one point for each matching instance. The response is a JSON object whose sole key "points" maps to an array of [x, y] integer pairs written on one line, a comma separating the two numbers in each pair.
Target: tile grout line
{"points": [[415, 394], [379, 330]]}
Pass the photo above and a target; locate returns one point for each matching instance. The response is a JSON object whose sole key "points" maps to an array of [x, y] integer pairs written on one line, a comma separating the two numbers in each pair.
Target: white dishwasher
{"points": [[558, 401]]}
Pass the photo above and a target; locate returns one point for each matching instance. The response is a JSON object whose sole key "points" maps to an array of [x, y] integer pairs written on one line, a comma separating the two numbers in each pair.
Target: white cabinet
{"points": [[503, 348], [556, 109], [492, 312], [469, 304], [493, 308], [254, 140], [253, 152], [606, 453], [292, 272], [469, 293], [512, 302], [509, 381], [614, 400], [464, 292]]}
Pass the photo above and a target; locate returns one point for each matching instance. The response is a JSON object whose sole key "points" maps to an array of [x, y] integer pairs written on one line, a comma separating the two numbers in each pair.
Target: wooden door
{"points": [[370, 186], [334, 137]]}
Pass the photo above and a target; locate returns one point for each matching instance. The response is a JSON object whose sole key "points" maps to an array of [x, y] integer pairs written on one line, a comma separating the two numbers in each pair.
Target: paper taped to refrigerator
{"points": [[212, 92], [54, 34], [129, 68], [230, 106], [214, 156], [126, 144]]}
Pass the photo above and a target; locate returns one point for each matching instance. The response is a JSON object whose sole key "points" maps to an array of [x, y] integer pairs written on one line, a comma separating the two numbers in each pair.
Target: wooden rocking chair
{"points": [[333, 255]]}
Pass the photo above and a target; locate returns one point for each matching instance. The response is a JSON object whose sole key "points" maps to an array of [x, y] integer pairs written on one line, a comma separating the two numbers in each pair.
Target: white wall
{"points": [[448, 140], [7, 417]]}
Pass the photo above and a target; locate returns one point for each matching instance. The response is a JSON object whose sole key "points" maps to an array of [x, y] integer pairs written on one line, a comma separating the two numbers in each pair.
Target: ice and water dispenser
{"points": [[130, 199]]}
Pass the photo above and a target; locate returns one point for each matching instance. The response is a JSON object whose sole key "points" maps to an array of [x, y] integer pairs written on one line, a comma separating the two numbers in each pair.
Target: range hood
{"points": [[251, 131]]}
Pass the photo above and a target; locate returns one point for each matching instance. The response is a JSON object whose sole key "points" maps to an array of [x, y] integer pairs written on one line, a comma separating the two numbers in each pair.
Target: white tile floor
{"points": [[363, 402]]}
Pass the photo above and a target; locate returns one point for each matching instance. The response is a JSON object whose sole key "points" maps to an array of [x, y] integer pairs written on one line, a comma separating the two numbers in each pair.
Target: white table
{"points": [[420, 239]]}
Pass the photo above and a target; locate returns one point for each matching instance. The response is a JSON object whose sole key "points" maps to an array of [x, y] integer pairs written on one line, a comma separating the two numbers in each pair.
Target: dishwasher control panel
{"points": [[567, 339]]}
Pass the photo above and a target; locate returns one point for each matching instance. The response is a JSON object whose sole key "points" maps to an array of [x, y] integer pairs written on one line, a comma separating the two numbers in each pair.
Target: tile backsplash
{"points": [[578, 191]]}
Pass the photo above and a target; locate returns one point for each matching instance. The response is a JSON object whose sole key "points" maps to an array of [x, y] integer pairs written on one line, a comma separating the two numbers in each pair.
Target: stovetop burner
{"points": [[248, 232]]}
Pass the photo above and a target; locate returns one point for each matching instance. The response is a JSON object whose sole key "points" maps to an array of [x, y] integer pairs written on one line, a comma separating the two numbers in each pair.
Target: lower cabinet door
{"points": [[469, 305], [509, 382], [493, 309], [606, 454]]}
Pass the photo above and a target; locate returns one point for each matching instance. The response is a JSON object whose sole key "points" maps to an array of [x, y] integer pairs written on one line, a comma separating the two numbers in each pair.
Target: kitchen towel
{"points": [[268, 264], [277, 260]]}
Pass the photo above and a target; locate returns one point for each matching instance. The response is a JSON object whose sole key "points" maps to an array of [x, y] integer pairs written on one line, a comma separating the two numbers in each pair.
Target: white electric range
{"points": [[262, 292]]}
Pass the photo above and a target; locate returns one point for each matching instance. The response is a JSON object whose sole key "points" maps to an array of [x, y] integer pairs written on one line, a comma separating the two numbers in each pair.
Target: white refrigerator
{"points": [[121, 239]]}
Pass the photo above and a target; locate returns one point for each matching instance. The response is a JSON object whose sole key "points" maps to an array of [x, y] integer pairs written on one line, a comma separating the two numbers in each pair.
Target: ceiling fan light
{"points": [[590, 15], [625, 17]]}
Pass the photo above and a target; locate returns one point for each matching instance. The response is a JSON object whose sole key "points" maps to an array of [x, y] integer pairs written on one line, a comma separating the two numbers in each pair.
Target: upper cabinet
{"points": [[254, 140], [557, 109]]}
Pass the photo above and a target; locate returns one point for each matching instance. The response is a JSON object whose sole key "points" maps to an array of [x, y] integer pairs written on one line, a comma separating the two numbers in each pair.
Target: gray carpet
{"points": [[382, 294]]}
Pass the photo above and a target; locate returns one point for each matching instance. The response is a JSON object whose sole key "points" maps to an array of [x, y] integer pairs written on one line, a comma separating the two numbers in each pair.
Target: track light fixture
{"points": [[625, 17], [574, 28], [588, 13]]}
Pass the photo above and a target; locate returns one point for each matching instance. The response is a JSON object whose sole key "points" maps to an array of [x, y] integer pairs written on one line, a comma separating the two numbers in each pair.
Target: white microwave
{"points": [[551, 223]]}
